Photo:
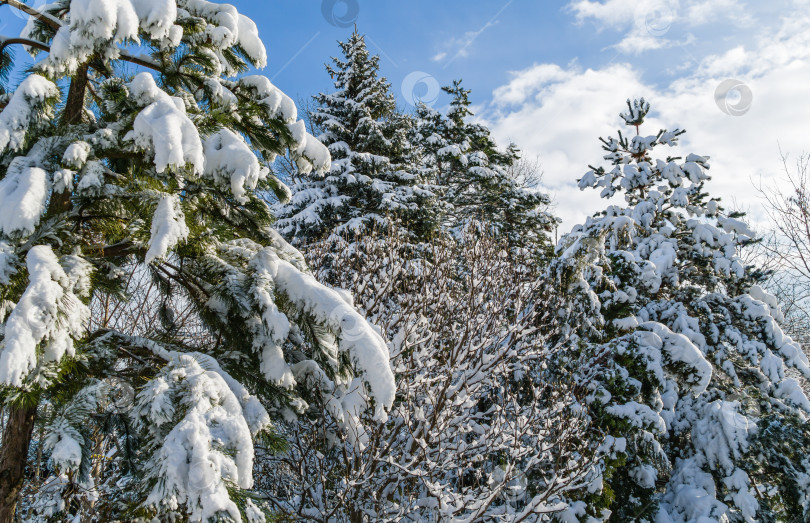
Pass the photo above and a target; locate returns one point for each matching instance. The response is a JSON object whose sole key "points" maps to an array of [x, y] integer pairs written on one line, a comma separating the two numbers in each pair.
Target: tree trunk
{"points": [[20, 425], [13, 457], [74, 107], [74, 111], [38, 471]]}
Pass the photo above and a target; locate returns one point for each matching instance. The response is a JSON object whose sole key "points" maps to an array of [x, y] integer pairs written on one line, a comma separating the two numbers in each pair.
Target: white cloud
{"points": [[618, 14], [637, 42], [646, 23], [559, 117], [460, 47], [528, 82], [615, 14], [697, 13], [559, 112]]}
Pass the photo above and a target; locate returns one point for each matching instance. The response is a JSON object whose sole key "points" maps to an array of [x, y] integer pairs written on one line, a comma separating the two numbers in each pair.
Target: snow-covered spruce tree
{"points": [[164, 168], [475, 434], [371, 175], [688, 371], [472, 175]]}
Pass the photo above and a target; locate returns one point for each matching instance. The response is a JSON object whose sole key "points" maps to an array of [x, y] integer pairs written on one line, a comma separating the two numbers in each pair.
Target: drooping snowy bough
{"points": [[686, 365], [159, 154]]}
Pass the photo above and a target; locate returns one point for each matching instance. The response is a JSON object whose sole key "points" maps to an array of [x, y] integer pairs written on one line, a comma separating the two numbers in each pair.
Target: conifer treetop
{"points": [[698, 376], [474, 175], [373, 180]]}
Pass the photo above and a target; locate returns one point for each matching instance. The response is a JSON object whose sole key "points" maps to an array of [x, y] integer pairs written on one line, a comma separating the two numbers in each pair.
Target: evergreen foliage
{"points": [[688, 371], [166, 170], [473, 176], [166, 355], [372, 176]]}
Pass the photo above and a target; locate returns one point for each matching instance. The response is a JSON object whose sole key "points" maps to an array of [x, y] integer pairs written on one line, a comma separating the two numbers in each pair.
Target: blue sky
{"points": [[552, 76], [481, 42], [411, 37]]}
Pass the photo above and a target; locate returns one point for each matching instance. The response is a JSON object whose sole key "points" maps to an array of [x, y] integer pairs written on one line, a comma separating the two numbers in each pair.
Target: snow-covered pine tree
{"points": [[473, 176], [371, 176], [165, 168], [688, 371]]}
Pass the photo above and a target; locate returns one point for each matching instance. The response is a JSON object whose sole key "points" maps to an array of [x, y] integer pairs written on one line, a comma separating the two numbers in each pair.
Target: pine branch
{"points": [[45, 18], [124, 56], [7, 41], [119, 250]]}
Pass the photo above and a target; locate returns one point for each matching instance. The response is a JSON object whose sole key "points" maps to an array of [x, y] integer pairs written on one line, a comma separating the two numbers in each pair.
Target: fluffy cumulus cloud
{"points": [[558, 112]]}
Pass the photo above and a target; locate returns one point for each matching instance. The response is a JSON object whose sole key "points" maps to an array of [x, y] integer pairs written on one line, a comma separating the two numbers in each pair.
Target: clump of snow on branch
{"points": [[48, 313], [164, 127], [168, 227], [201, 436], [230, 162], [308, 152], [23, 196], [27, 104], [76, 154], [95, 27], [367, 349], [229, 28]]}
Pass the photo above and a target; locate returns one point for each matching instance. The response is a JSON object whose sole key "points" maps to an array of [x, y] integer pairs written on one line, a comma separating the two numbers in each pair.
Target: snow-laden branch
{"points": [[124, 55]]}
